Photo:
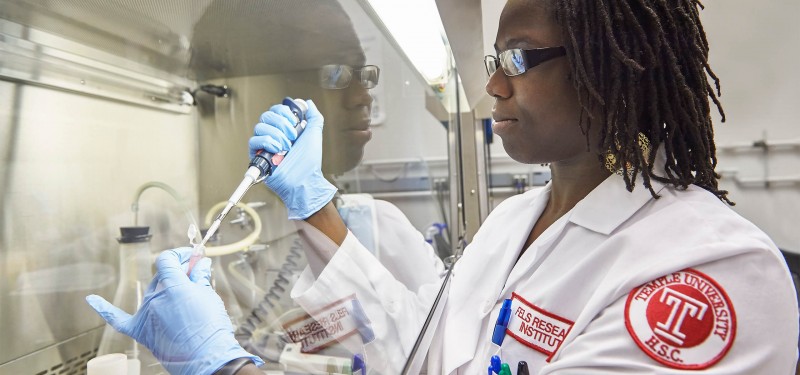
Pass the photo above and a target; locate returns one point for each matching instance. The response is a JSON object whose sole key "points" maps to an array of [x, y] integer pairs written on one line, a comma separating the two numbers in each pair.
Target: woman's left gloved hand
{"points": [[181, 320]]}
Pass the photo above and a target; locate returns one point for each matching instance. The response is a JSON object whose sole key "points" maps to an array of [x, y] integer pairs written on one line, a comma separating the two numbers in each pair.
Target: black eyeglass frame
{"points": [[360, 70], [533, 57]]}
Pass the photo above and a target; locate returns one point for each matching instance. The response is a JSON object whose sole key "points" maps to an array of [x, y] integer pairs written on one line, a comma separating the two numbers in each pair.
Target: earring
{"points": [[611, 158], [611, 163], [644, 145]]}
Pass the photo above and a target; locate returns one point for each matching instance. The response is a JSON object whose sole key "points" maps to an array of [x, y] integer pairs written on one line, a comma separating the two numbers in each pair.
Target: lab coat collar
{"points": [[610, 204]]}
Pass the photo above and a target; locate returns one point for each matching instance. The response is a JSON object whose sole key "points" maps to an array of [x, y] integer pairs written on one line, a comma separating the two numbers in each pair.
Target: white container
{"points": [[108, 364]]}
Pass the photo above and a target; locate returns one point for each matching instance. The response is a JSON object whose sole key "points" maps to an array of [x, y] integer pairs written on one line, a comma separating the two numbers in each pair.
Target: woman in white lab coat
{"points": [[628, 261]]}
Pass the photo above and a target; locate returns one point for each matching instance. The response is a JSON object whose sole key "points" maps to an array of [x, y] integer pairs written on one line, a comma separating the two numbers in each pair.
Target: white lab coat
{"points": [[582, 270], [394, 241], [382, 230]]}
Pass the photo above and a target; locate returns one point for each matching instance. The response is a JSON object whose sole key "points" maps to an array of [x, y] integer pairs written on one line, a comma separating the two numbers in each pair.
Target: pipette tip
{"points": [[196, 256]]}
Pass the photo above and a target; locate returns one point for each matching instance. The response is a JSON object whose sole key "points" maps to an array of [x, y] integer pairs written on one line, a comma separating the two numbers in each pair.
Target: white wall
{"points": [[755, 47]]}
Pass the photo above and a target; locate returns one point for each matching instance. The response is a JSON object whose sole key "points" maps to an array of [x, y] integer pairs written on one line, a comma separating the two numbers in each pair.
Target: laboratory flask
{"points": [[135, 274]]}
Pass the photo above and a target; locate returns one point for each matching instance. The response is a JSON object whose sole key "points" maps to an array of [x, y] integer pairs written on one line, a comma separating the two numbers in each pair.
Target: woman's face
{"points": [[537, 113]]}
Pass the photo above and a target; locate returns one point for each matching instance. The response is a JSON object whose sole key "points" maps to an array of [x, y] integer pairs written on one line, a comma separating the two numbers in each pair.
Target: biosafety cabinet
{"points": [[123, 123]]}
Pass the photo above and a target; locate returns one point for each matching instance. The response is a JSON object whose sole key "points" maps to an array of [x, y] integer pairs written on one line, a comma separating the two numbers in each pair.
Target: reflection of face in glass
{"points": [[313, 45], [341, 93], [347, 115]]}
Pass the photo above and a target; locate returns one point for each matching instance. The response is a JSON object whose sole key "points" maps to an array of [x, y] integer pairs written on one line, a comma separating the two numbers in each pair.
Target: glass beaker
{"points": [[135, 274]]}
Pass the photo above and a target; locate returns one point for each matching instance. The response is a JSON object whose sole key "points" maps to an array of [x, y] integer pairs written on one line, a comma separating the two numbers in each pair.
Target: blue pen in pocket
{"points": [[502, 322], [496, 364]]}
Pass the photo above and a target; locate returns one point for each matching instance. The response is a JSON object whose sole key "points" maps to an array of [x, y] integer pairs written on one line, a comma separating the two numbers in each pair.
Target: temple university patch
{"points": [[536, 328], [683, 320]]}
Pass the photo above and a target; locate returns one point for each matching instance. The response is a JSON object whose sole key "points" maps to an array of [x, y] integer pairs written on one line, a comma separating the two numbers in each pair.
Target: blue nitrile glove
{"points": [[298, 180], [181, 320]]}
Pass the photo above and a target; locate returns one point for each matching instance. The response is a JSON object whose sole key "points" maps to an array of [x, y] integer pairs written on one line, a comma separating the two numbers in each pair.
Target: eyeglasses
{"points": [[516, 61], [336, 77]]}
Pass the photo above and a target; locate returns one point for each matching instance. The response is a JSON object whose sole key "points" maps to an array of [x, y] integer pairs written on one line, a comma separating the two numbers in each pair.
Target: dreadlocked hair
{"points": [[641, 66]]}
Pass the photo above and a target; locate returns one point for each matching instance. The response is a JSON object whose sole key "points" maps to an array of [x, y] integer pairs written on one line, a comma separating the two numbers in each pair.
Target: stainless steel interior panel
{"points": [[74, 151], [35, 57], [68, 357], [152, 34], [71, 164], [248, 38], [198, 39]]}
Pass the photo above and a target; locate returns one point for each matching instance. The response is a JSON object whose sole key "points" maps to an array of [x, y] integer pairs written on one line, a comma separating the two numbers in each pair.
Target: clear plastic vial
{"points": [[136, 272]]}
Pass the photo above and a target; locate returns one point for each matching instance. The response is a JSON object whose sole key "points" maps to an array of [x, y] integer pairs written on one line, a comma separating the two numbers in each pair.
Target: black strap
{"points": [[234, 366]]}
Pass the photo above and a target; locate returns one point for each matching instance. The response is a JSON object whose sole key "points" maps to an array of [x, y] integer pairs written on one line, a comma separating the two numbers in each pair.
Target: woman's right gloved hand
{"points": [[298, 180]]}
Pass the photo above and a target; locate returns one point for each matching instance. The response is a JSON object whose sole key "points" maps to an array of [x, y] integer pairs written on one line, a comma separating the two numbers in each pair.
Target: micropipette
{"points": [[261, 166]]}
